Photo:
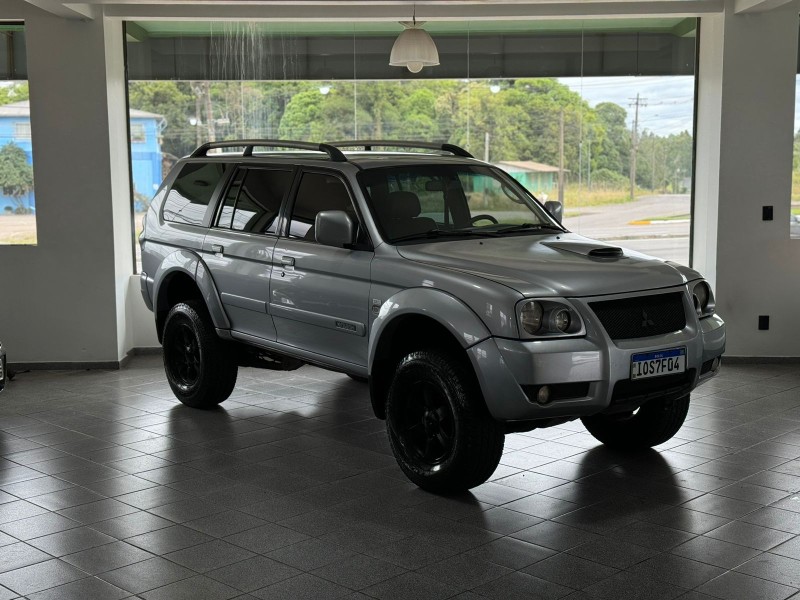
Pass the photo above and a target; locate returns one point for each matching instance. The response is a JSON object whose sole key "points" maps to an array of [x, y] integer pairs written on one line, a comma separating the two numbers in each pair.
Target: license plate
{"points": [[655, 364]]}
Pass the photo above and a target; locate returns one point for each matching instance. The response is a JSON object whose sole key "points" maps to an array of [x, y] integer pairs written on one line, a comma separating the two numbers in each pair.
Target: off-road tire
{"points": [[200, 369], [440, 432], [653, 424]]}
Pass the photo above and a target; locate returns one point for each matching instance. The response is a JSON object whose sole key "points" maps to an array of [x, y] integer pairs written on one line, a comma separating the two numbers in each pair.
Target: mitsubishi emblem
{"points": [[646, 321]]}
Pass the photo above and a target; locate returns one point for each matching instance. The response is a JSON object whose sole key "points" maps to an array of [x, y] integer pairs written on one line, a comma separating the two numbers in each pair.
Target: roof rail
{"points": [[368, 144], [334, 153]]}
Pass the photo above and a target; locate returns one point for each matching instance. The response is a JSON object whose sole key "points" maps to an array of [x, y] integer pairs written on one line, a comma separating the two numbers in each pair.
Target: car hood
{"points": [[553, 265]]}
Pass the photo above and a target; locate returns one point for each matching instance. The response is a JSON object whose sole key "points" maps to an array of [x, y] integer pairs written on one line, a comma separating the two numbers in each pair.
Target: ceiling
{"points": [[675, 25], [349, 11]]}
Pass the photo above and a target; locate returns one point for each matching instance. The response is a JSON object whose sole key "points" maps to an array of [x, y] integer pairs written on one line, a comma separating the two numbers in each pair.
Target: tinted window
{"points": [[317, 192], [260, 200], [417, 200], [190, 194]]}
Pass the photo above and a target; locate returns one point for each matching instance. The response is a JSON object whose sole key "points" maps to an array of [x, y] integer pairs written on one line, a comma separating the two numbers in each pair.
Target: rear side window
{"points": [[317, 192], [192, 191], [254, 200]]}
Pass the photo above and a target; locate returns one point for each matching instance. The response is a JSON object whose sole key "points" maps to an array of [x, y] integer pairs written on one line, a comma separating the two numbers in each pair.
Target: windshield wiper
{"points": [[528, 227], [440, 233]]}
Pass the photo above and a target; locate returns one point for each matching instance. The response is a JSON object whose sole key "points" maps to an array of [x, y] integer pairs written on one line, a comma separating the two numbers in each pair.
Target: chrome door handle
{"points": [[287, 260], [217, 248]]}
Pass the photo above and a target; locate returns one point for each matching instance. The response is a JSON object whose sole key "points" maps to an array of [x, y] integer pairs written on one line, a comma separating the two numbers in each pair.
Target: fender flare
{"points": [[461, 321], [445, 309], [191, 264]]}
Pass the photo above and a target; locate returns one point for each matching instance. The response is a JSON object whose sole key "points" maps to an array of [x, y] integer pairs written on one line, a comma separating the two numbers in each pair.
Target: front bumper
{"points": [[589, 374]]}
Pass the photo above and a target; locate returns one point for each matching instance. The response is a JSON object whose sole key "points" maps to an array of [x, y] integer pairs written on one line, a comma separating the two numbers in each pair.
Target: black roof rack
{"points": [[334, 153], [368, 145]]}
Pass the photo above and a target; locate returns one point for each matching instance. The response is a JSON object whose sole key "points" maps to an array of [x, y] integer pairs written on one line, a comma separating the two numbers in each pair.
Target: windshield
{"points": [[425, 202]]}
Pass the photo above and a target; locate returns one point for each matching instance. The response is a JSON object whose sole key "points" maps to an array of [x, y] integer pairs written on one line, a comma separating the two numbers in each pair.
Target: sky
{"points": [[666, 103]]}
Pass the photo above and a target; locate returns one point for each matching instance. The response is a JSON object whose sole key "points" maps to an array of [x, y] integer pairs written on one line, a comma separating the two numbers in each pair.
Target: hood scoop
{"points": [[587, 249]]}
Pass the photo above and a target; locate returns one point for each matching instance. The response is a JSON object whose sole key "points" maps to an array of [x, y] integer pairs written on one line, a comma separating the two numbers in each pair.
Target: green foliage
{"points": [[607, 178], [16, 92], [520, 122], [16, 175], [175, 101]]}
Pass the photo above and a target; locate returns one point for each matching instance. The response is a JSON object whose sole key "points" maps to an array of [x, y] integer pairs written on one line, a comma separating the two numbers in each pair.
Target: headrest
{"points": [[402, 205]]}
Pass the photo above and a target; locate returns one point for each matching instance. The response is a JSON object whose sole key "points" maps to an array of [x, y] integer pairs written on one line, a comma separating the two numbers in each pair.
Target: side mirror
{"points": [[334, 228], [555, 208]]}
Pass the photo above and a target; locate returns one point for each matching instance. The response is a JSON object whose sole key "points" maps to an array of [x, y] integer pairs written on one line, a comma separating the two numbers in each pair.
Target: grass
{"points": [[18, 239], [581, 197]]}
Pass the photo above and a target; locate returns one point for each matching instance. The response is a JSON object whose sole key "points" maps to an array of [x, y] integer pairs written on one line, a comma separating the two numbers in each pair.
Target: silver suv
{"points": [[464, 302]]}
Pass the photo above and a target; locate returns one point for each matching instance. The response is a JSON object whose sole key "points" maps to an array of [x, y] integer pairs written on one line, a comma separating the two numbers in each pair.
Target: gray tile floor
{"points": [[109, 488]]}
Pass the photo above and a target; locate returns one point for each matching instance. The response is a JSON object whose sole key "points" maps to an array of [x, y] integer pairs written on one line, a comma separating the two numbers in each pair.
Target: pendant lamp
{"points": [[414, 48]]}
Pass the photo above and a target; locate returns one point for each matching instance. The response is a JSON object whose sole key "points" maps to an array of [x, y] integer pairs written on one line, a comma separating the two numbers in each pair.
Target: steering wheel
{"points": [[477, 218]]}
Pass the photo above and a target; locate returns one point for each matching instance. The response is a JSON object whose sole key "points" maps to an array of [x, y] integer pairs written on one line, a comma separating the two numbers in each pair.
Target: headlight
{"points": [[531, 316], [703, 299], [549, 318], [561, 319]]}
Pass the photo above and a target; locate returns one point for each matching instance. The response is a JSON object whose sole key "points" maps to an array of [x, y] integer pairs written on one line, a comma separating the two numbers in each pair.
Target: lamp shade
{"points": [[414, 49]]}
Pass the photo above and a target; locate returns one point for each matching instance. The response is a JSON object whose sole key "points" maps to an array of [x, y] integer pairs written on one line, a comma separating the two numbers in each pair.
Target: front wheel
{"points": [[441, 434], [200, 370], [650, 425]]}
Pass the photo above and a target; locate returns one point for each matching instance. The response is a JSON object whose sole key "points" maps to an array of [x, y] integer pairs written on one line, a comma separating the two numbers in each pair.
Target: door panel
{"points": [[321, 303], [241, 272]]}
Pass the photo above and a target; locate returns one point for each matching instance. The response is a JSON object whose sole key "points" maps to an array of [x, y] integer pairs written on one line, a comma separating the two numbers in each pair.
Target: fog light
{"points": [[543, 395]]}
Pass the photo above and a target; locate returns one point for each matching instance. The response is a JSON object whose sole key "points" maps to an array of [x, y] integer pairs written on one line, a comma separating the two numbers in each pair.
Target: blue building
{"points": [[15, 126]]}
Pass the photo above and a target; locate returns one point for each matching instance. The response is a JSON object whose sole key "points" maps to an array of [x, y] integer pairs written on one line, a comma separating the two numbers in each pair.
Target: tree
{"points": [[16, 175], [175, 101], [613, 150], [16, 92]]}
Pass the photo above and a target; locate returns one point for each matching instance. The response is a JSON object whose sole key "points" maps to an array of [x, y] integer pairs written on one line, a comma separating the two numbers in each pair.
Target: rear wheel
{"points": [[651, 425], [441, 434], [200, 369]]}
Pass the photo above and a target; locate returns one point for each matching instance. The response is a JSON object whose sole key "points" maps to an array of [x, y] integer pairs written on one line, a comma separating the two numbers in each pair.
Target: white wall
{"points": [[748, 65], [65, 299]]}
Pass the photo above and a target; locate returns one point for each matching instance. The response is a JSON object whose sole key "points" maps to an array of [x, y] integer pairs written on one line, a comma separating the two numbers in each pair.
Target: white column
{"points": [[64, 300], [748, 65]]}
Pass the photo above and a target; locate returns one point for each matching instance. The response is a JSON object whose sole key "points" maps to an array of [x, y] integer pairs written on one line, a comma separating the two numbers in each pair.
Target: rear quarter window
{"points": [[192, 191]]}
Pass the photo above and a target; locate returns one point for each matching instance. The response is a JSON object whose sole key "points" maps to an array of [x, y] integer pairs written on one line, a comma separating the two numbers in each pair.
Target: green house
{"points": [[539, 178]]}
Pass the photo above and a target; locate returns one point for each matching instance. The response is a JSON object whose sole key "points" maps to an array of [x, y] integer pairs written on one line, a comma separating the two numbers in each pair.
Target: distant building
{"points": [[538, 178], [15, 126]]}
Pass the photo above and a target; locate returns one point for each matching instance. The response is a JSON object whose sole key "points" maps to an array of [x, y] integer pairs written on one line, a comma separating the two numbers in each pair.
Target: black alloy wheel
{"points": [[201, 368], [440, 432]]}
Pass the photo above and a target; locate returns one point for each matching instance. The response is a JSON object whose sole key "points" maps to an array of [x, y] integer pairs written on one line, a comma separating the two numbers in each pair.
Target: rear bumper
{"points": [[589, 374]]}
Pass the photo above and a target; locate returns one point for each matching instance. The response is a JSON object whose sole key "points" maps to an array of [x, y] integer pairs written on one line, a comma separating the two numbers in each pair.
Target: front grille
{"points": [[641, 316]]}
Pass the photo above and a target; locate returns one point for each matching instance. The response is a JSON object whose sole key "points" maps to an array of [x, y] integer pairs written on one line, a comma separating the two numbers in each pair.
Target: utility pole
{"points": [[486, 147], [561, 158], [589, 165], [209, 112], [634, 141]]}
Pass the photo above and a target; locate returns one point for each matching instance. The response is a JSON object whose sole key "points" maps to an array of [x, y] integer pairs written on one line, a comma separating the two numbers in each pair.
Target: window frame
{"points": [[286, 216]]}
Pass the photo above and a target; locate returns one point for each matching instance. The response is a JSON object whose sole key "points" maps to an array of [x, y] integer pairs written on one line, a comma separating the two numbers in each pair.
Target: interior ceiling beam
{"points": [[379, 10], [751, 6]]}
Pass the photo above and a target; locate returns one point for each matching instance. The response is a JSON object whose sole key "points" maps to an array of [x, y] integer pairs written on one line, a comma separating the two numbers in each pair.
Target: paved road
{"points": [[614, 221]]}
